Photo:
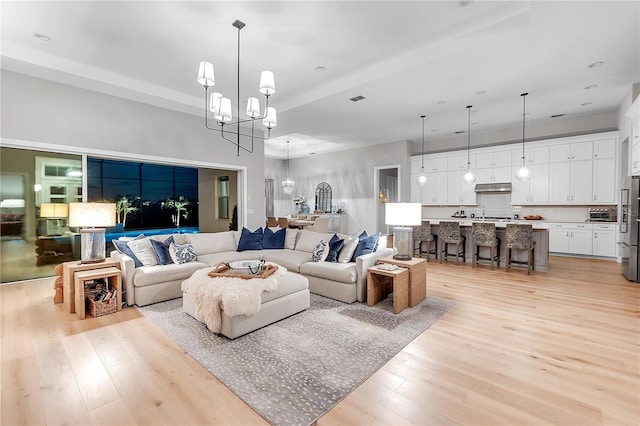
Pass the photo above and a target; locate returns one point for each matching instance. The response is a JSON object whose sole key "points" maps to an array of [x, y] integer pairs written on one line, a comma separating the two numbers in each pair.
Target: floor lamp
{"points": [[92, 218], [403, 216]]}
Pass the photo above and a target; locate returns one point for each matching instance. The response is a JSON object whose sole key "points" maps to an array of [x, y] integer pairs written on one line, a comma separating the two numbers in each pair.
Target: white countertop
{"points": [[537, 224]]}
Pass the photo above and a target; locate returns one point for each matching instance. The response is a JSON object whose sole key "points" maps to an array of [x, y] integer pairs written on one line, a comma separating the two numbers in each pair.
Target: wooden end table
{"points": [[111, 275], [377, 280], [417, 277], [68, 280]]}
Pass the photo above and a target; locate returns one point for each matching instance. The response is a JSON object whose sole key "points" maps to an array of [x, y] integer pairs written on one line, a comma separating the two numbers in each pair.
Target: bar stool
{"points": [[520, 237], [422, 234], [450, 234], [484, 235]]}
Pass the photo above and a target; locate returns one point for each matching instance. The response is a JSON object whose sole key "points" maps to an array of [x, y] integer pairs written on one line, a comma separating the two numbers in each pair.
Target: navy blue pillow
{"points": [[367, 244], [162, 250], [250, 240], [335, 245], [273, 240], [123, 248]]}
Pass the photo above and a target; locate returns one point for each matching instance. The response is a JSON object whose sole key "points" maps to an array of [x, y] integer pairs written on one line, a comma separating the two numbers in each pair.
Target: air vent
{"points": [[557, 115], [357, 98], [459, 132]]}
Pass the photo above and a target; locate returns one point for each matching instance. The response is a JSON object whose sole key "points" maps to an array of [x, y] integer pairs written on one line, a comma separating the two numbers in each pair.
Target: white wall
{"points": [[79, 120]]}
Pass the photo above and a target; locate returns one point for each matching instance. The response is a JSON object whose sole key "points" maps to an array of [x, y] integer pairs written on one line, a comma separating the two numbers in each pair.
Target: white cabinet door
{"points": [[571, 182], [604, 181], [519, 189], [435, 190], [539, 184], [435, 163], [582, 151], [581, 181], [459, 191], [571, 151], [604, 243], [560, 182], [416, 189], [581, 241], [459, 162], [558, 240], [604, 148]]}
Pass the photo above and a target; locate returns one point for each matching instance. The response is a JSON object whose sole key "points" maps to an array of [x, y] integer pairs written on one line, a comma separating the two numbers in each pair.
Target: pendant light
{"points": [[468, 176], [422, 179], [524, 173], [288, 184]]}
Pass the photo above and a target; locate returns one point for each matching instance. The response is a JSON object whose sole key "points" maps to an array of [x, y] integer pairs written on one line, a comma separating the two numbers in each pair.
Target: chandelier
{"points": [[468, 176], [422, 179], [220, 106], [288, 184]]}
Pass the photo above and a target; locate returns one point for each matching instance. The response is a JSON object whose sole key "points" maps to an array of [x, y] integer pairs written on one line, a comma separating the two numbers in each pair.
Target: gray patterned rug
{"points": [[295, 370]]}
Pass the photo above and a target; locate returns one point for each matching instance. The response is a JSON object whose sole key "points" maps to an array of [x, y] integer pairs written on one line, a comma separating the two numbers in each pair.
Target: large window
{"points": [[148, 196], [223, 197]]}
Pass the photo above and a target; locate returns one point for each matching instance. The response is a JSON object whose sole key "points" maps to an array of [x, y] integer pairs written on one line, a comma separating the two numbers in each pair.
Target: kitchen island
{"points": [[540, 236]]}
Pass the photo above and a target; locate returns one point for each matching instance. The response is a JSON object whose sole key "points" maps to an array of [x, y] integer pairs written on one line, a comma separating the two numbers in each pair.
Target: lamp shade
{"points": [[88, 215], [270, 120], [403, 214], [267, 83], [54, 210], [253, 107], [224, 113], [214, 102], [205, 74]]}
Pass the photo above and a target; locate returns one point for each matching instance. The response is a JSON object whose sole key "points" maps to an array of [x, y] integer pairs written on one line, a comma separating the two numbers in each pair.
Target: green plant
{"points": [[180, 206], [124, 206]]}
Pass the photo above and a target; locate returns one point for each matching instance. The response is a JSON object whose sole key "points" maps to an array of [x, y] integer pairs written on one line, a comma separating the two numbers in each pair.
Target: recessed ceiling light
{"points": [[592, 86], [312, 153], [441, 102], [42, 37], [474, 124], [320, 68], [596, 64], [357, 98], [481, 92], [557, 115], [585, 103]]}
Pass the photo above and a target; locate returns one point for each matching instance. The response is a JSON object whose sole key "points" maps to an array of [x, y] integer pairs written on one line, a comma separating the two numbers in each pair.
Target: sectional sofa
{"points": [[344, 280]]}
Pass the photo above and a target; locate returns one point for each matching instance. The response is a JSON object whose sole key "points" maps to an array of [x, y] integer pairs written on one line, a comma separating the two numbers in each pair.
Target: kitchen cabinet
{"points": [[604, 240], [634, 140], [493, 166], [532, 155], [604, 181], [604, 148], [532, 191], [571, 238], [459, 192], [575, 151], [434, 192], [571, 182], [459, 162]]}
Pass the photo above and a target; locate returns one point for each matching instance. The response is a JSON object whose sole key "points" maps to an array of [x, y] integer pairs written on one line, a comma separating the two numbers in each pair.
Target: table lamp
{"points": [[92, 218], [54, 211], [402, 216]]}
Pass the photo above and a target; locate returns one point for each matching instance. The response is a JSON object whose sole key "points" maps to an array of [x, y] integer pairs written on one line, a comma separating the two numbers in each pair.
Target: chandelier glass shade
{"points": [[524, 173], [221, 109], [422, 179], [468, 176], [288, 184]]}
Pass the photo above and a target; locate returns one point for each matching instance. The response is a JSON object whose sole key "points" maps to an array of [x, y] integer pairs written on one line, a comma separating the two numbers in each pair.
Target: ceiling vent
{"points": [[357, 98]]}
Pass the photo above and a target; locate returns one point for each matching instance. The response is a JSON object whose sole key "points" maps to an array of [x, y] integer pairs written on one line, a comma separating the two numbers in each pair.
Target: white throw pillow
{"points": [[307, 240], [290, 238], [350, 245], [144, 251]]}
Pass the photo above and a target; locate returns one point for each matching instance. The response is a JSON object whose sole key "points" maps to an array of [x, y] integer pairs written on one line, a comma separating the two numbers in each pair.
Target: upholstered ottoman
{"points": [[291, 297]]}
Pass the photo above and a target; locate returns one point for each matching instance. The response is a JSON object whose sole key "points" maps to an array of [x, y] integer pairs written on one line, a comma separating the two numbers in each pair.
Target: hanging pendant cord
{"points": [[422, 116], [524, 98], [468, 134]]}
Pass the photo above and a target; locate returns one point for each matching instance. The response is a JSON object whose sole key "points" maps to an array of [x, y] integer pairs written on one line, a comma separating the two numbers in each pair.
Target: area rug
{"points": [[293, 371]]}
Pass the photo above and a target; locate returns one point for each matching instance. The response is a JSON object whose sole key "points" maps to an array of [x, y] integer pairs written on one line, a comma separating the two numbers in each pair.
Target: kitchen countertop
{"points": [[537, 224]]}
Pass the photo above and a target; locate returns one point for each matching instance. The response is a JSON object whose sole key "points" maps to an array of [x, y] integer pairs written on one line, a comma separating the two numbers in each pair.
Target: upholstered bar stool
{"points": [[484, 235], [422, 234], [449, 233], [520, 237]]}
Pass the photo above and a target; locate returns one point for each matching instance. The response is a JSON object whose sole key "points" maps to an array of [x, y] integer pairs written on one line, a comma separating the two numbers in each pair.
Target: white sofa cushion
{"points": [[290, 238], [290, 259], [151, 275], [144, 251], [307, 240], [341, 272], [350, 244], [213, 242]]}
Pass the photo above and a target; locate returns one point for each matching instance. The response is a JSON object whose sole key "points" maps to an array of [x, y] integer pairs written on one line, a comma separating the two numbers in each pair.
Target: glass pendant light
{"points": [[524, 173], [288, 184], [468, 176], [422, 179]]}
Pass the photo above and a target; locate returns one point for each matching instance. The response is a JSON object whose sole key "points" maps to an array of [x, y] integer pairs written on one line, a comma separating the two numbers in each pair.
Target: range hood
{"points": [[493, 187]]}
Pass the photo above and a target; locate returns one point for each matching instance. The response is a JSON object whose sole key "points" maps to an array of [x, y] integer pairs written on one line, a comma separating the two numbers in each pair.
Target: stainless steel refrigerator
{"points": [[629, 219]]}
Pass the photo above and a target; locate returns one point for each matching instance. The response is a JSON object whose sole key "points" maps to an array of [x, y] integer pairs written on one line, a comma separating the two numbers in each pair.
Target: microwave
{"points": [[606, 214]]}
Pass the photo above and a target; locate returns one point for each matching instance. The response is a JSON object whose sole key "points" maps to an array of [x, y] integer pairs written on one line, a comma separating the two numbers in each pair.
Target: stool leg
{"points": [[474, 255], [492, 258], [530, 256], [457, 254], [498, 255], [441, 249], [507, 260]]}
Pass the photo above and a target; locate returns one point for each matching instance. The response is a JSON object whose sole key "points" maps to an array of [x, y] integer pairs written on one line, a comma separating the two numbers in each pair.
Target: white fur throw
{"points": [[234, 296]]}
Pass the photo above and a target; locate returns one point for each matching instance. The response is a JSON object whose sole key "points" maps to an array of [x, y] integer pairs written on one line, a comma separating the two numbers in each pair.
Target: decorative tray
{"points": [[533, 217]]}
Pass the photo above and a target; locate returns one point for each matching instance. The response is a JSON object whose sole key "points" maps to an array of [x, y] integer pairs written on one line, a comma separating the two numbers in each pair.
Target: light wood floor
{"points": [[552, 348]]}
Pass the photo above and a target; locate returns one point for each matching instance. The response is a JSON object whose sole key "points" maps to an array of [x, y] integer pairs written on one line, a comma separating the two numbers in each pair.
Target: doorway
{"points": [[387, 189]]}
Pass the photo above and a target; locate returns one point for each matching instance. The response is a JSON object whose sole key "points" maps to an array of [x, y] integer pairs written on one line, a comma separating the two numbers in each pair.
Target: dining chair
{"points": [[283, 222], [320, 225], [520, 237], [483, 234], [271, 221], [449, 233]]}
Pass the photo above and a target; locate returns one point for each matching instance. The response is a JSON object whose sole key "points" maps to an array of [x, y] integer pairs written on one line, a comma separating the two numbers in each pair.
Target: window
{"points": [[223, 197]]}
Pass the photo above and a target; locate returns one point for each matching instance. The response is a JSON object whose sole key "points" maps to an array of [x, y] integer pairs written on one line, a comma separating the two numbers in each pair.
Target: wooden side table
{"points": [[68, 271], [111, 275], [377, 280], [417, 277]]}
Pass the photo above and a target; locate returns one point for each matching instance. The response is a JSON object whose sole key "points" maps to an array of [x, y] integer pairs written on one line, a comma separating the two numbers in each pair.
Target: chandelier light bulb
{"points": [[214, 102], [469, 177], [253, 107], [270, 120], [422, 179], [267, 83], [524, 173], [224, 113]]}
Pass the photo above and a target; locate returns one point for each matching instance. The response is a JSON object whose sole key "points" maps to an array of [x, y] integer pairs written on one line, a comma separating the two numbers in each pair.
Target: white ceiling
{"points": [[407, 58]]}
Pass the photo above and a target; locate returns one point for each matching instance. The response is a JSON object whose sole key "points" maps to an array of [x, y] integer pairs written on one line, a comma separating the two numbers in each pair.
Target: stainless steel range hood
{"points": [[493, 187]]}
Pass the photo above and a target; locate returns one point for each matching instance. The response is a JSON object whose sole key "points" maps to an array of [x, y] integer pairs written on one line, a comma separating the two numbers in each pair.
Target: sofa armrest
{"points": [[127, 267], [363, 263]]}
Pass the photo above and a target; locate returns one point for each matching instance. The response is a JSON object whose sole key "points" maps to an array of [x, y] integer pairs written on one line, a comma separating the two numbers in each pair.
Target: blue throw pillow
{"points": [[123, 248], [250, 240], [335, 245], [162, 250], [273, 240], [367, 244]]}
